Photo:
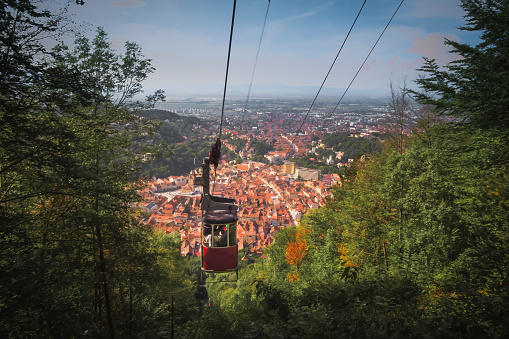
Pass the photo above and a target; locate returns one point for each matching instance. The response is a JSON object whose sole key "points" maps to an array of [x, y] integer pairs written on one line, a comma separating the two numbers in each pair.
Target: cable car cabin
{"points": [[219, 248], [219, 241]]}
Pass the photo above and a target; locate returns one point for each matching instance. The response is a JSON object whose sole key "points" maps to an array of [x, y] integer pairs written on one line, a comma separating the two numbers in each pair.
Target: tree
{"points": [[105, 130], [71, 249], [474, 89], [400, 107], [36, 160], [32, 132]]}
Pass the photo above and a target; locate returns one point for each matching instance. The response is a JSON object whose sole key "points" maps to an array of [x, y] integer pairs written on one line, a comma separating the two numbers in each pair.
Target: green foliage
{"points": [[180, 158], [261, 148], [363, 212], [306, 162], [173, 128], [260, 158], [474, 88], [238, 142], [74, 262], [323, 262], [153, 284], [352, 146], [175, 145]]}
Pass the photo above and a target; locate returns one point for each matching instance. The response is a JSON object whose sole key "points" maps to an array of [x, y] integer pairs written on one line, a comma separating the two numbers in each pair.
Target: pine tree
{"points": [[475, 88]]}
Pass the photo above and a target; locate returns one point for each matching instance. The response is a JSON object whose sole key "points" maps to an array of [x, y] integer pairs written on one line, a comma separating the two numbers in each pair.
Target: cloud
{"points": [[394, 65], [310, 13], [277, 27], [435, 9], [129, 3], [432, 46]]}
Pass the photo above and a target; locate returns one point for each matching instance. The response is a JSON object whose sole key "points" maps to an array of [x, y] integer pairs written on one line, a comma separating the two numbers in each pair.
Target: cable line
{"points": [[227, 67], [330, 69], [215, 150], [256, 59], [351, 82]]}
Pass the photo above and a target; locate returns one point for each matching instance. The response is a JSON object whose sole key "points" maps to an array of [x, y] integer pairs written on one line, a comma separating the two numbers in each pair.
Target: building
{"points": [[308, 173], [331, 179], [289, 168]]}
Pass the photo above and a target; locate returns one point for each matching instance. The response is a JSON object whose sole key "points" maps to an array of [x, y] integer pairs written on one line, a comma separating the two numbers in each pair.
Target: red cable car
{"points": [[219, 248]]}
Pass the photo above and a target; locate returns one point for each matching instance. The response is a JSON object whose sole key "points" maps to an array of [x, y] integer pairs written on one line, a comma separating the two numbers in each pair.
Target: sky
{"points": [[187, 41]]}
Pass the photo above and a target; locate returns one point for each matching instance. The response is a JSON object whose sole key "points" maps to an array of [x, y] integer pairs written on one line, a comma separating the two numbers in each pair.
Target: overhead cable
{"points": [[330, 69], [215, 151], [227, 67], [351, 82], [256, 59]]}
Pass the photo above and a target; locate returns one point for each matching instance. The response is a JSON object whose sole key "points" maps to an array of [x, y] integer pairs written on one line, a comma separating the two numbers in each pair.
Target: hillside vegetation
{"points": [[415, 243], [179, 140]]}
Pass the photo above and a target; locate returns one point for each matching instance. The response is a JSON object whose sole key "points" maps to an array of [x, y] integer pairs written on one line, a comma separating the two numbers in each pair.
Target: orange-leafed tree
{"points": [[296, 250]]}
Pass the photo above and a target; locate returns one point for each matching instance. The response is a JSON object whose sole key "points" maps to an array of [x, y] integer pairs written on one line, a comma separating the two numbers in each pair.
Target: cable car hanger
{"points": [[219, 247]]}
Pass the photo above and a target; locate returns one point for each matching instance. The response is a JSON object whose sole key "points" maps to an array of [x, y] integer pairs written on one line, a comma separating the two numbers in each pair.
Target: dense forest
{"points": [[179, 140], [351, 147], [260, 148], [174, 128], [414, 244]]}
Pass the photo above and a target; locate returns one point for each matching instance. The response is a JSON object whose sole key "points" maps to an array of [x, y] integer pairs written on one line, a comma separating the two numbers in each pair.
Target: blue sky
{"points": [[187, 40]]}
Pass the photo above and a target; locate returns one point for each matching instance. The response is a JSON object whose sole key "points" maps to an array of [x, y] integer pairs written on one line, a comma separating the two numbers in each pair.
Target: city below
{"points": [[273, 193]]}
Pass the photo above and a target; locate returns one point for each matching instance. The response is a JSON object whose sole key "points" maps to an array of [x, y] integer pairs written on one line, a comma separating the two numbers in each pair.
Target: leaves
{"points": [[71, 250], [295, 252]]}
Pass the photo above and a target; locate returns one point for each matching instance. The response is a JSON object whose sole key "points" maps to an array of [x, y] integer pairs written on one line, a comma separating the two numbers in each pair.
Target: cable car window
{"points": [[207, 233], [232, 230]]}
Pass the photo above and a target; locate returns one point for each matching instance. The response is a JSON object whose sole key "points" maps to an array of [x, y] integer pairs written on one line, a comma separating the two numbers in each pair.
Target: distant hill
{"points": [[181, 140], [170, 117], [174, 126]]}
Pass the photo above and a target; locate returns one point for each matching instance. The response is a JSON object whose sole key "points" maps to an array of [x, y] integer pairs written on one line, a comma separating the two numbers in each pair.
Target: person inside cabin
{"points": [[207, 233], [220, 237], [207, 240], [223, 237]]}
